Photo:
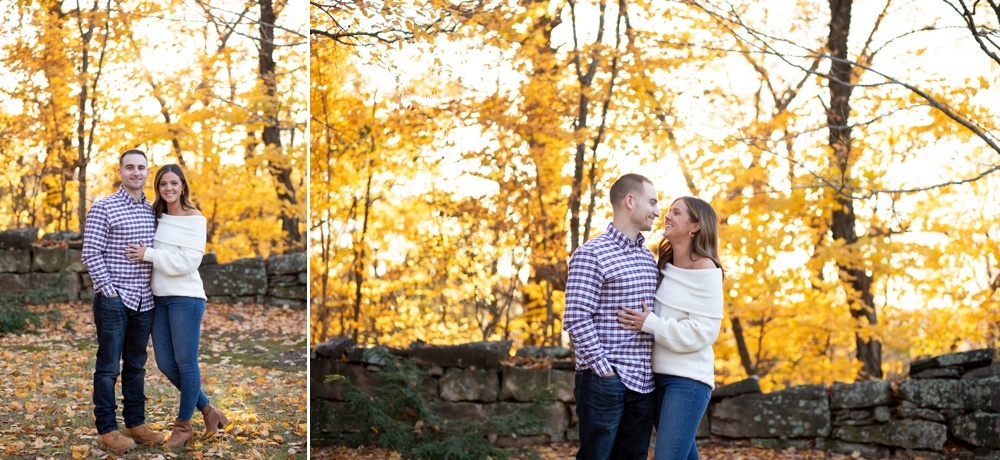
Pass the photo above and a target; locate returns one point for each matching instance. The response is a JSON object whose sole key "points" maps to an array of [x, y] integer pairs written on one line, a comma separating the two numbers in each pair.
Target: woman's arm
{"points": [[685, 335], [174, 262]]}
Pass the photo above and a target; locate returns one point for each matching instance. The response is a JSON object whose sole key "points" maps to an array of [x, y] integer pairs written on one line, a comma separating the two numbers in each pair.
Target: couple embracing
{"points": [[643, 328], [143, 258]]}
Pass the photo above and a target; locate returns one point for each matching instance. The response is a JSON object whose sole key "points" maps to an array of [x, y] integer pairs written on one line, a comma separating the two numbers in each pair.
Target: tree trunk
{"points": [[88, 93], [281, 171], [869, 352], [741, 347], [323, 312], [586, 70], [359, 260], [81, 114]]}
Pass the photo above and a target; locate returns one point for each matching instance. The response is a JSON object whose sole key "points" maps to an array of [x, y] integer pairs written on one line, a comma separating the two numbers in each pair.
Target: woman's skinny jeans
{"points": [[681, 403], [176, 333]]}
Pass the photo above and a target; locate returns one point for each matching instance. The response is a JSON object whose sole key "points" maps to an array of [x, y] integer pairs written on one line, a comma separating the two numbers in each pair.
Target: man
{"points": [[123, 304], [614, 378]]}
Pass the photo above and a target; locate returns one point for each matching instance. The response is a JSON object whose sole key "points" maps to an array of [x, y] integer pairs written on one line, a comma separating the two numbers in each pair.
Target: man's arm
{"points": [[95, 244], [583, 293]]}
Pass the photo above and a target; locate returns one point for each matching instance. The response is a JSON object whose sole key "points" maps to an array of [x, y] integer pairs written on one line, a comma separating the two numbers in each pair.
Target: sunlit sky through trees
{"points": [[200, 84], [481, 139]]}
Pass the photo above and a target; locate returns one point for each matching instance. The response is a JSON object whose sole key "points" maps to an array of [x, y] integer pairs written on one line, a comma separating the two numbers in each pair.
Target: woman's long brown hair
{"points": [[705, 242]]}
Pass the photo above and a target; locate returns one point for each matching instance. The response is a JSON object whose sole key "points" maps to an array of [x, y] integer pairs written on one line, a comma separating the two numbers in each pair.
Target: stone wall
{"points": [[53, 265], [464, 381], [948, 408]]}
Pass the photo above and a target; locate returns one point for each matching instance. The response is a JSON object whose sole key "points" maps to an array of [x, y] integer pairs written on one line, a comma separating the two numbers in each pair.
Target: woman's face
{"points": [[677, 223], [170, 187]]}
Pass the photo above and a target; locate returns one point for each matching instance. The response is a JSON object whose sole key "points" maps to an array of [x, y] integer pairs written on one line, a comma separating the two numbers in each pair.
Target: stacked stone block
{"points": [[463, 382], [950, 408], [25, 268], [959, 395], [53, 265]]}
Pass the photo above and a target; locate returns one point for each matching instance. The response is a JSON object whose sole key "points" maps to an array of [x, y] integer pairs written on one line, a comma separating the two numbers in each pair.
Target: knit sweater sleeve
{"points": [[685, 335], [174, 262]]}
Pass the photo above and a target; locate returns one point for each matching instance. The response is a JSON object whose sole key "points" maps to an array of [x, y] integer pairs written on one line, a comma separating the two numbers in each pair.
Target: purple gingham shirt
{"points": [[607, 273], [113, 222]]}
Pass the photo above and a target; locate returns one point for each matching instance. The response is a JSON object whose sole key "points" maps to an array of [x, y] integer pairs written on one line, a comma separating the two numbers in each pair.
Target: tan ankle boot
{"points": [[116, 441], [214, 420], [181, 435], [144, 435]]}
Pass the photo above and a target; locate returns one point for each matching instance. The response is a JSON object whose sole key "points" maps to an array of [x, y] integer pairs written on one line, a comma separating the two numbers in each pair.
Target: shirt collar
{"points": [[620, 239], [128, 198]]}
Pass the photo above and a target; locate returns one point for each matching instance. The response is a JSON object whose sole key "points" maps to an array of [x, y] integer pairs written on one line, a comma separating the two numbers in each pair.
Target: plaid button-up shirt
{"points": [[113, 222], [607, 273]]}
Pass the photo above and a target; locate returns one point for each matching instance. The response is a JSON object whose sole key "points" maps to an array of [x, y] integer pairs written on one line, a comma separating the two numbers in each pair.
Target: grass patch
{"points": [[86, 344]]}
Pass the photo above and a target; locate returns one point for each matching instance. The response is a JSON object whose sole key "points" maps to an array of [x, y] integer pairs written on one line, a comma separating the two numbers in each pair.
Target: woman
{"points": [[686, 322], [179, 299]]}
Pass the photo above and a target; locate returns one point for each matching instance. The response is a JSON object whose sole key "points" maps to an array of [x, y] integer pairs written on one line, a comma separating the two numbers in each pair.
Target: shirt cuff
{"points": [[602, 367]]}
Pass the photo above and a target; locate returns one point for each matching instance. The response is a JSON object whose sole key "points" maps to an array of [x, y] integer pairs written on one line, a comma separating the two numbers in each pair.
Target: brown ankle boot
{"points": [[144, 435], [116, 441], [181, 435], [214, 420]]}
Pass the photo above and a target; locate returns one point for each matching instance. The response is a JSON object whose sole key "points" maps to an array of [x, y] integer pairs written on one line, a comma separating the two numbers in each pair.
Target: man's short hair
{"points": [[132, 152], [629, 183]]}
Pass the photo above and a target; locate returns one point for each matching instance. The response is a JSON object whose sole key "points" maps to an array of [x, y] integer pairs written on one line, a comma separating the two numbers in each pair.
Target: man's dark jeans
{"points": [[615, 422], [122, 337]]}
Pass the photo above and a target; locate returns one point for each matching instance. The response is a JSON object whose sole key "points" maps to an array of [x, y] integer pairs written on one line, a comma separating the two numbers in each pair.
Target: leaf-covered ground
{"points": [[567, 451], [253, 364]]}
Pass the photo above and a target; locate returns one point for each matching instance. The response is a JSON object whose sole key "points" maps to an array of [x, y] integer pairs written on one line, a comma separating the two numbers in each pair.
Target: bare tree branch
{"points": [[358, 23], [987, 38], [765, 44]]}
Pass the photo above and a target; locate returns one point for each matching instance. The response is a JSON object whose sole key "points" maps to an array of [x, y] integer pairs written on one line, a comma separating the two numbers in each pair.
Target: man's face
{"points": [[133, 172], [645, 212]]}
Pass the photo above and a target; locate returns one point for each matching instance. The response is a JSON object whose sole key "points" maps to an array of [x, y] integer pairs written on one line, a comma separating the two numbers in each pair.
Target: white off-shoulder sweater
{"points": [[687, 319], [178, 247]]}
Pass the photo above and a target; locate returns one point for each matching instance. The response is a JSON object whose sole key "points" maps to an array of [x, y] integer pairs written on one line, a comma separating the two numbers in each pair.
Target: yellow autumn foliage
{"points": [[82, 83], [455, 217]]}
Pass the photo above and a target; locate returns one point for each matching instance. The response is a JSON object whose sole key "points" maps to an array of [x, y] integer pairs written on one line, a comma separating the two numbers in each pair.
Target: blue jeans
{"points": [[176, 333], [680, 403], [615, 422], [122, 338]]}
